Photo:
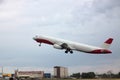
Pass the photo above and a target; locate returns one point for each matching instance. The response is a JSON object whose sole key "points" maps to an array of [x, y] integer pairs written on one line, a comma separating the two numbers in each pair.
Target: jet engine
{"points": [[57, 46]]}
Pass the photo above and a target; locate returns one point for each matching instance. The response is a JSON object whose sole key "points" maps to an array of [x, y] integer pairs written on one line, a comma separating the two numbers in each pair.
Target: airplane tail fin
{"points": [[107, 43]]}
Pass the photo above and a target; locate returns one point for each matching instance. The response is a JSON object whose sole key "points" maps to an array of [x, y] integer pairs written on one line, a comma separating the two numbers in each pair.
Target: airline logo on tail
{"points": [[69, 46]]}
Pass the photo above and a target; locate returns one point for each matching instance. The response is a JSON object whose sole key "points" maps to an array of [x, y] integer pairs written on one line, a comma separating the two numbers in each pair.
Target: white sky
{"points": [[86, 21]]}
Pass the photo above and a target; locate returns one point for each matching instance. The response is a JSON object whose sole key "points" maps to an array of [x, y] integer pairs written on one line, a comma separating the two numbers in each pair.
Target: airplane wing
{"points": [[65, 46]]}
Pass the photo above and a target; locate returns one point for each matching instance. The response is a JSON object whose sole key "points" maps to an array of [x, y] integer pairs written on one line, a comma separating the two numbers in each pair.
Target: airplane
{"points": [[69, 46]]}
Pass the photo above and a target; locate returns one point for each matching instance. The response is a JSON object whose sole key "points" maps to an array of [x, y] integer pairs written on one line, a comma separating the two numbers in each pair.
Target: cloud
{"points": [[105, 5]]}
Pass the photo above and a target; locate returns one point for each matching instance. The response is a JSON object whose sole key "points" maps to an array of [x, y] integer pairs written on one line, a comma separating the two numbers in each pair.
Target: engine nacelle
{"points": [[57, 46]]}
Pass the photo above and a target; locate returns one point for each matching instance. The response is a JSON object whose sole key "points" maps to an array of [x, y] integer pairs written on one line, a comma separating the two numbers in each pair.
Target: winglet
{"points": [[107, 43]]}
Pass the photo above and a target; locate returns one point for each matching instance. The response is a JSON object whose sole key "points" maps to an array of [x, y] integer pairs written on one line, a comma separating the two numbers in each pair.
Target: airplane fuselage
{"points": [[70, 45]]}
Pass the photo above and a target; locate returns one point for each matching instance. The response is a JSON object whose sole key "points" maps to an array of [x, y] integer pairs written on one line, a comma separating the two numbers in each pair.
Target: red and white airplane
{"points": [[69, 46]]}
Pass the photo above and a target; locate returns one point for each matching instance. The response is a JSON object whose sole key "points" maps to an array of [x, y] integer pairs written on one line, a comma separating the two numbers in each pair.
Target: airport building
{"points": [[47, 75], [29, 74], [60, 72]]}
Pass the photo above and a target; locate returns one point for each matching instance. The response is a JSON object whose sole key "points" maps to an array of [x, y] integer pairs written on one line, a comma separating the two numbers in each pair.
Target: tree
{"points": [[84, 75], [88, 75], [76, 75], [110, 74], [104, 75], [91, 75], [119, 75]]}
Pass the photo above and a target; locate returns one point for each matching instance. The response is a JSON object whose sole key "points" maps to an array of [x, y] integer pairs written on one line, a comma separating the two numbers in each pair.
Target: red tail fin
{"points": [[109, 41]]}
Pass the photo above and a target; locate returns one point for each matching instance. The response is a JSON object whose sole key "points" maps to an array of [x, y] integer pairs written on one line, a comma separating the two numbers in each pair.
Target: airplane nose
{"points": [[34, 38]]}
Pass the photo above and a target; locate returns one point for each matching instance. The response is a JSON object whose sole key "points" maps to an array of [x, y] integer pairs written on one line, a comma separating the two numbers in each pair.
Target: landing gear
{"points": [[40, 44], [66, 51], [69, 51], [66, 47]]}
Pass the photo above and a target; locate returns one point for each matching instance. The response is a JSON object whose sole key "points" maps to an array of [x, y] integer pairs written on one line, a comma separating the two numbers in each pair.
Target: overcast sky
{"points": [[85, 21]]}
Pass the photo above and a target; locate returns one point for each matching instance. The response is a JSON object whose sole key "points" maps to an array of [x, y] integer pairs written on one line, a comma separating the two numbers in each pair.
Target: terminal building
{"points": [[29, 74], [60, 72]]}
